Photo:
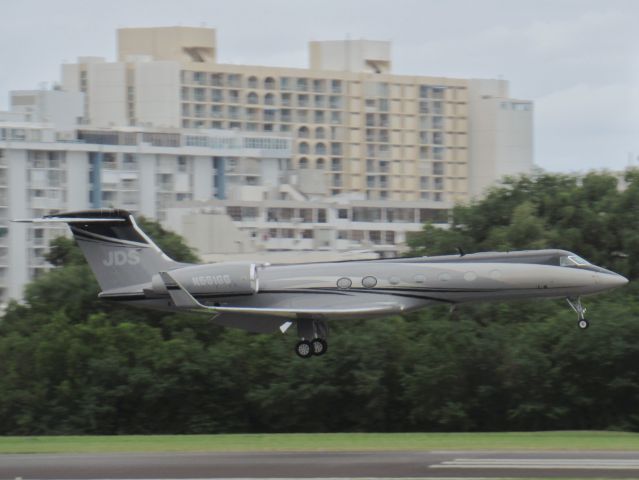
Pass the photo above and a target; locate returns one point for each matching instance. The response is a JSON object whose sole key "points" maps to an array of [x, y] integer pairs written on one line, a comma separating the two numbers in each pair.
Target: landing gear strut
{"points": [[580, 310], [313, 334]]}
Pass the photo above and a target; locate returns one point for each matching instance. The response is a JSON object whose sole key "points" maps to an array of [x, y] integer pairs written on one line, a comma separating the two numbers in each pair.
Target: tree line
{"points": [[72, 364]]}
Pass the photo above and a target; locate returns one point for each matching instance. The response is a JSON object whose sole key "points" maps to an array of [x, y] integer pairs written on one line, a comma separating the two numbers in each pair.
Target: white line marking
{"points": [[318, 478], [541, 463]]}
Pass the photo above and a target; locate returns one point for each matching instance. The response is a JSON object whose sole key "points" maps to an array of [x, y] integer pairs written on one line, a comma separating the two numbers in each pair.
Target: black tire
{"points": [[319, 346], [304, 349], [583, 324]]}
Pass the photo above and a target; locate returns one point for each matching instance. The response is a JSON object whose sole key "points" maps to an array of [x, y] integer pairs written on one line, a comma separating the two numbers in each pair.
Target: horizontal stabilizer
{"points": [[67, 220]]}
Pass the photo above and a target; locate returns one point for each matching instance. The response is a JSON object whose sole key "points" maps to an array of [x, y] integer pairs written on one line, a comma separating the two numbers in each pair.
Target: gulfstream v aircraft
{"points": [[131, 269]]}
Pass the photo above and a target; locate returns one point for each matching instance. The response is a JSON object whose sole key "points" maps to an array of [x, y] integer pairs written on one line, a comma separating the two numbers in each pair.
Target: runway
{"points": [[434, 464]]}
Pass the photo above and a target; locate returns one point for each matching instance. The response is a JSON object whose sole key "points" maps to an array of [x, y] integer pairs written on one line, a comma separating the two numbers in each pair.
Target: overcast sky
{"points": [[577, 60]]}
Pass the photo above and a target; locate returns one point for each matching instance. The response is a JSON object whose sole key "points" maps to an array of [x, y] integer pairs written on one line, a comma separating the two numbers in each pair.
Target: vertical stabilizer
{"points": [[119, 253]]}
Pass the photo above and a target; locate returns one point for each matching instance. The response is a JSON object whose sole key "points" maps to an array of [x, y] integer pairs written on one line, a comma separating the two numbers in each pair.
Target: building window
{"points": [[269, 83], [199, 77], [303, 148], [306, 214], [285, 115], [320, 149], [234, 112], [252, 82], [234, 96], [217, 95], [234, 80], [302, 132], [252, 98], [217, 79], [285, 83], [302, 84], [320, 164], [303, 163], [335, 101], [216, 111], [302, 100]]}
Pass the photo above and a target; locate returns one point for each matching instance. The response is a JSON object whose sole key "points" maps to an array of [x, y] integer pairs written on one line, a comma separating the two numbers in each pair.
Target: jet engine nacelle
{"points": [[214, 278]]}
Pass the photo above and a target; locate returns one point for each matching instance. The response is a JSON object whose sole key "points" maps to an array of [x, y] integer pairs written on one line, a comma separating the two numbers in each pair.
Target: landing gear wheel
{"points": [[319, 346], [580, 310], [304, 349]]}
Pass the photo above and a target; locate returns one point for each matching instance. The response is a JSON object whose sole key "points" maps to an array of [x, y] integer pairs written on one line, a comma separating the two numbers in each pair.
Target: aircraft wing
{"points": [[183, 299]]}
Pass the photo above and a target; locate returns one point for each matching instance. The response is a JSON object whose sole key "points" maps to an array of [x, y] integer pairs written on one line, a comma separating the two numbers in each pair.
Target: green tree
{"points": [[70, 363]]}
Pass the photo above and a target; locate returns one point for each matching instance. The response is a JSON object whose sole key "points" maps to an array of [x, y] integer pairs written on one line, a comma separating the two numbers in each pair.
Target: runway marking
{"points": [[541, 463], [304, 478]]}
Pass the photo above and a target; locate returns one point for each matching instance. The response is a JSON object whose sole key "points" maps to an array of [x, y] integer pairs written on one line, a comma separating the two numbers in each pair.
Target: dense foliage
{"points": [[70, 363]]}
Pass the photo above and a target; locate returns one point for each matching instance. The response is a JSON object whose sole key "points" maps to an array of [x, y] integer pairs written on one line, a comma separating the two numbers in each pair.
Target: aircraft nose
{"points": [[612, 280]]}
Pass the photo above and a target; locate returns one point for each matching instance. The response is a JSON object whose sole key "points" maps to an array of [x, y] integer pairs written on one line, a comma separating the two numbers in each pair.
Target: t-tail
{"points": [[117, 250]]}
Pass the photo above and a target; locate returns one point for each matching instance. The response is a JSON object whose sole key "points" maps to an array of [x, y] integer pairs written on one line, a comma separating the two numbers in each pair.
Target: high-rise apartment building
{"points": [[142, 170], [356, 126]]}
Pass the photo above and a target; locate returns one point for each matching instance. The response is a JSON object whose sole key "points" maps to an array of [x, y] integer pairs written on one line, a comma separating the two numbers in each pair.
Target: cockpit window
{"points": [[573, 261]]}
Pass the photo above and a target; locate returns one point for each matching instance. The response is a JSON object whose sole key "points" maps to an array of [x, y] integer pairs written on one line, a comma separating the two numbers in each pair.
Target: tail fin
{"points": [[118, 251]]}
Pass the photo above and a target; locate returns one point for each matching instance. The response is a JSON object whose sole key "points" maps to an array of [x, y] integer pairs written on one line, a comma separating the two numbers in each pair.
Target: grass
{"points": [[323, 442]]}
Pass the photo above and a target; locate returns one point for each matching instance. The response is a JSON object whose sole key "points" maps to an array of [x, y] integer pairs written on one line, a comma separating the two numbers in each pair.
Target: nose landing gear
{"points": [[580, 310], [317, 331]]}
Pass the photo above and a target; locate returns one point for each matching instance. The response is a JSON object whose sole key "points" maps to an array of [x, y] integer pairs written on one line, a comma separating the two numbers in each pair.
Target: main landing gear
{"points": [[313, 334], [580, 310]]}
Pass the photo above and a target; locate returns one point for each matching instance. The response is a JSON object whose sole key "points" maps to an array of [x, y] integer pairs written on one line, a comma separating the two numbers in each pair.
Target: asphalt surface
{"points": [[458, 464]]}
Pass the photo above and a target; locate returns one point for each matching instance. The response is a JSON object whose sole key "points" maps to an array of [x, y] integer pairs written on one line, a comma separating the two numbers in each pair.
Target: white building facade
{"points": [[267, 228], [144, 171]]}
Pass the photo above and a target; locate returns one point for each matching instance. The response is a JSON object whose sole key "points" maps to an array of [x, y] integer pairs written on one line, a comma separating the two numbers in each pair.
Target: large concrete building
{"points": [[330, 225], [356, 125], [142, 170]]}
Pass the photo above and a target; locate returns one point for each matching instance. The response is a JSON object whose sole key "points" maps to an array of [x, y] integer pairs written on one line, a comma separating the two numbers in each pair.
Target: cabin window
{"points": [[369, 282]]}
